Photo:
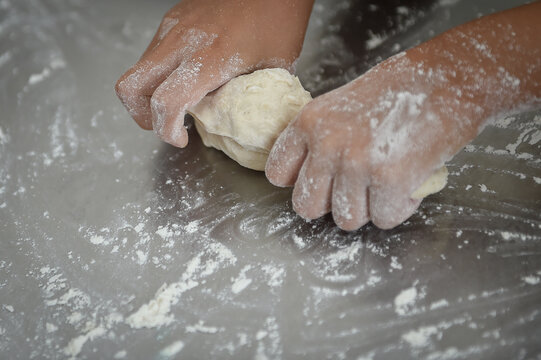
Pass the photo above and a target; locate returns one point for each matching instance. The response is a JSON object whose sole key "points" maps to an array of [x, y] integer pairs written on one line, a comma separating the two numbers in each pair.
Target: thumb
{"points": [[192, 80]]}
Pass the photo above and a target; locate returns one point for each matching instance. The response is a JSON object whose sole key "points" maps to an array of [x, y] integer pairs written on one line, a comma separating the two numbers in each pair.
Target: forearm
{"points": [[487, 67]]}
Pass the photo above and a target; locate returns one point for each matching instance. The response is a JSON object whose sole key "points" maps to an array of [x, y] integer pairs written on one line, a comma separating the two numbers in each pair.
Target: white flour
{"points": [[405, 300], [94, 216], [173, 349], [156, 313]]}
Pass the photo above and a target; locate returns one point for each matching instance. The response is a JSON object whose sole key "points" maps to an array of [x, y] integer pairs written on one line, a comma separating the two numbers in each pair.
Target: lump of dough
{"points": [[244, 117], [432, 185]]}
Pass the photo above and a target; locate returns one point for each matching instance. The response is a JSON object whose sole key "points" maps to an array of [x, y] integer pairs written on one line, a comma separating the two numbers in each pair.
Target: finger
{"points": [[137, 104], [202, 73], [349, 200], [286, 157], [390, 205], [312, 192], [136, 86]]}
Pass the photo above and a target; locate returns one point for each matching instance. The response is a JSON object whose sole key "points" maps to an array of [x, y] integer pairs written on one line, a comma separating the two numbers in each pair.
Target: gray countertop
{"points": [[115, 245]]}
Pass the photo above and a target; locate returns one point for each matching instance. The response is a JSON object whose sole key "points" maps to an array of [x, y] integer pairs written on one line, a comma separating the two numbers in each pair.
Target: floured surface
{"points": [[114, 245]]}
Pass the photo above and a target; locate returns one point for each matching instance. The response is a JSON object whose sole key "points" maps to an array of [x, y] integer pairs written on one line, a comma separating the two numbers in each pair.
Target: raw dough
{"points": [[433, 184], [244, 117]]}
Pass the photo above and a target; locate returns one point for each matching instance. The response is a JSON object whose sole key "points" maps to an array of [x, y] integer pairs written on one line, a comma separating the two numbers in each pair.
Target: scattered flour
{"points": [[142, 257], [156, 313], [346, 254], [485, 189], [164, 232], [201, 328], [39, 77], [375, 40], [97, 240], [74, 317], [121, 354], [139, 227], [261, 334], [76, 345], [405, 300], [275, 275], [191, 227], [73, 296], [535, 136], [51, 327], [55, 64], [531, 280], [439, 304], [172, 349], [395, 264], [4, 58], [299, 241], [373, 279], [242, 282], [4, 138], [420, 338]]}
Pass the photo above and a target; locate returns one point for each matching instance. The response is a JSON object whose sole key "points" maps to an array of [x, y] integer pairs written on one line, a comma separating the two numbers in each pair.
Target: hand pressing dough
{"points": [[244, 117]]}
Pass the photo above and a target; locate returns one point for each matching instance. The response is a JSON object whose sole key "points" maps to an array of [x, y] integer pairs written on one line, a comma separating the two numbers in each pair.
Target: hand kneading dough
{"points": [[244, 117]]}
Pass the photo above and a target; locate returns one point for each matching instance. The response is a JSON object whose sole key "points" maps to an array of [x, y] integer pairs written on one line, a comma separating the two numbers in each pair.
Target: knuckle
{"points": [[167, 25], [128, 87], [172, 13], [122, 88], [118, 87]]}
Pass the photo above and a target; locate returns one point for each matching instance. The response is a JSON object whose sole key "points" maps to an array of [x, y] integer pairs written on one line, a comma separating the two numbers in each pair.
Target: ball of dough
{"points": [[244, 117]]}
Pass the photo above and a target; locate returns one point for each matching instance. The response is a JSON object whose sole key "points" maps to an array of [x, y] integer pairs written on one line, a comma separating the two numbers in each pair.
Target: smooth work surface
{"points": [[115, 245]]}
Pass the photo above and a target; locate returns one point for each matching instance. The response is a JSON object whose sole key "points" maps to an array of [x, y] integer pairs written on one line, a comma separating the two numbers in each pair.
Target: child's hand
{"points": [[200, 45], [362, 149]]}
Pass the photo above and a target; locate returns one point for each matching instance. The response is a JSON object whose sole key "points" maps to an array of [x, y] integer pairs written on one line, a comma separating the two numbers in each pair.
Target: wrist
{"points": [[487, 67]]}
